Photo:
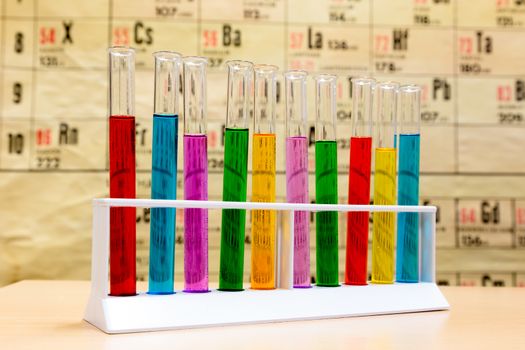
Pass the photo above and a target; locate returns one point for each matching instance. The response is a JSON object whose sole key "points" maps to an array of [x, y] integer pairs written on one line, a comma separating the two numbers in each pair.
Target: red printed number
{"points": [[210, 38], [381, 43], [121, 36], [47, 36]]}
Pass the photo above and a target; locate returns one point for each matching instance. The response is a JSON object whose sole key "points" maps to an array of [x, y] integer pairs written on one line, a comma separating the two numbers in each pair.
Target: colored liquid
{"points": [[163, 186], [407, 261], [384, 222], [263, 221], [297, 192], [327, 232], [357, 222], [122, 220], [233, 220], [195, 220]]}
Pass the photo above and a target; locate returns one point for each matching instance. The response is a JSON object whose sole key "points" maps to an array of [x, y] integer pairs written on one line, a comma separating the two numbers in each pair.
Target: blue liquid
{"points": [[163, 186], [407, 262]]}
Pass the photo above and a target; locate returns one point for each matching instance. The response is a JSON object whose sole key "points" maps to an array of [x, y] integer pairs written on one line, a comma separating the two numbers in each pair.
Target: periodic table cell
{"points": [[406, 50], [20, 8], [72, 43], [445, 221], [68, 144], [73, 9], [476, 149], [490, 53], [437, 149], [328, 48], [243, 10], [491, 13], [86, 88], [503, 101], [329, 11], [161, 9], [416, 12], [222, 41], [17, 92], [14, 149], [18, 43], [148, 36]]}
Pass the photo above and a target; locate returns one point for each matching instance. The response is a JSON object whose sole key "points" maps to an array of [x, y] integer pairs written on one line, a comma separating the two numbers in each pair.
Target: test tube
{"points": [[263, 178], [384, 183], [240, 76], [327, 232], [407, 260], [297, 171], [122, 170], [164, 171], [359, 181], [195, 175]]}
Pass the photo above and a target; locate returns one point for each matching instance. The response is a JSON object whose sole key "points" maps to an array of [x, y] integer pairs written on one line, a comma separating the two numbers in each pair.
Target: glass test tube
{"points": [[263, 178], [327, 232], [297, 172], [195, 175], [164, 171], [359, 181], [384, 183], [407, 260], [240, 76], [122, 169]]}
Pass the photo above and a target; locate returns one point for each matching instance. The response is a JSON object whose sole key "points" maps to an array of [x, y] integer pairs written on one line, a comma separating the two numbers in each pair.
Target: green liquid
{"points": [[327, 232], [233, 220]]}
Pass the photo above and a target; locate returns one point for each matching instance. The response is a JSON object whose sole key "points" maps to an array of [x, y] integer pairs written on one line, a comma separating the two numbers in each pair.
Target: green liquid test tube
{"points": [[231, 270], [327, 228]]}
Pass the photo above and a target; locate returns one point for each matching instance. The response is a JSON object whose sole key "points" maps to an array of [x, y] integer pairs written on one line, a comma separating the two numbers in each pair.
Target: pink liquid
{"points": [[297, 192], [195, 220]]}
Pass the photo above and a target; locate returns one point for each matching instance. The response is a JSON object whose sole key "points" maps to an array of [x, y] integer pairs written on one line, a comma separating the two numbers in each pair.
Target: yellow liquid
{"points": [[384, 223], [263, 221]]}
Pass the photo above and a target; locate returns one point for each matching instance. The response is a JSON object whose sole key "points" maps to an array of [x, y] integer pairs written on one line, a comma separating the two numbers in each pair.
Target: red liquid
{"points": [[122, 220], [357, 222]]}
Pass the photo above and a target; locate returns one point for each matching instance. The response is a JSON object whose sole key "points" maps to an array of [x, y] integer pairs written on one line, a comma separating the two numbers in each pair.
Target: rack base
{"points": [[183, 310]]}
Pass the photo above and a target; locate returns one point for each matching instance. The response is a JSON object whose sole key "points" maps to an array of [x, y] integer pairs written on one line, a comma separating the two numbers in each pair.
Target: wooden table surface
{"points": [[48, 315]]}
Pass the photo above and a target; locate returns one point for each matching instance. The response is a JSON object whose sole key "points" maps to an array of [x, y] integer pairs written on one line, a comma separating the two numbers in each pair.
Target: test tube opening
{"points": [[121, 81], [362, 102], [240, 77], [265, 92], [195, 95], [385, 114], [167, 70], [409, 109], [325, 106], [295, 102]]}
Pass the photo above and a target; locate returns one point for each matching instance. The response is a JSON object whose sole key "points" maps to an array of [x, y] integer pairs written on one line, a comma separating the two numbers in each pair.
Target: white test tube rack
{"points": [[145, 312]]}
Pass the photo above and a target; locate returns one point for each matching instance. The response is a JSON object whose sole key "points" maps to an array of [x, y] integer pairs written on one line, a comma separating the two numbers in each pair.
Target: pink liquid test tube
{"points": [[297, 172], [195, 175]]}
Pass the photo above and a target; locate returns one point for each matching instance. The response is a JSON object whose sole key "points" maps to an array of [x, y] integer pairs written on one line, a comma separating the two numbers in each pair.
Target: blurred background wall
{"points": [[468, 56]]}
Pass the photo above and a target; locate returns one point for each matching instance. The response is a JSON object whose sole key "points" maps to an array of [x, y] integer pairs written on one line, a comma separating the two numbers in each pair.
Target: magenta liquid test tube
{"points": [[195, 175], [297, 172]]}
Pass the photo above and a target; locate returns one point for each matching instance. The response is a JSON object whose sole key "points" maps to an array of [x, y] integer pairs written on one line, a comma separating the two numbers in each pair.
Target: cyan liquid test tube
{"points": [[327, 228], [384, 182], [297, 171], [407, 257], [240, 77], [164, 171], [195, 175], [122, 253]]}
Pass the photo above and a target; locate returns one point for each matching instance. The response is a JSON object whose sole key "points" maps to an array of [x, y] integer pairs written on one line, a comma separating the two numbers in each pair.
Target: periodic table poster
{"points": [[468, 56]]}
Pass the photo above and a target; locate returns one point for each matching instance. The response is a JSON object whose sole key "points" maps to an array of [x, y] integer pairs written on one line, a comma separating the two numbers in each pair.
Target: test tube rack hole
{"points": [[145, 312]]}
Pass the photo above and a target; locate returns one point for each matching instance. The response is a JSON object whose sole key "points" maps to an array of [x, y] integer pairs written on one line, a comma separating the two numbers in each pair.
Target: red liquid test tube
{"points": [[359, 181], [122, 170]]}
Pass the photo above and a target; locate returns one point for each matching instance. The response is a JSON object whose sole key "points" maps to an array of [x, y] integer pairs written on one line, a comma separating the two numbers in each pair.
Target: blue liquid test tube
{"points": [[407, 262], [164, 171]]}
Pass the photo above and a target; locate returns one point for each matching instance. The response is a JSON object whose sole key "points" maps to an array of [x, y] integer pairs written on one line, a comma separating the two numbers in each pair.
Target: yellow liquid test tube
{"points": [[263, 178], [263, 221], [384, 226], [384, 222]]}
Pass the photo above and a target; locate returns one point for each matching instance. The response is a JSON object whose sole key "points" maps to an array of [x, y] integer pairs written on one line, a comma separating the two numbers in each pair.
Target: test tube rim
{"points": [[296, 74], [388, 85], [325, 77], [364, 81], [239, 65], [265, 68], [194, 60], [121, 51], [167, 55], [410, 89]]}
